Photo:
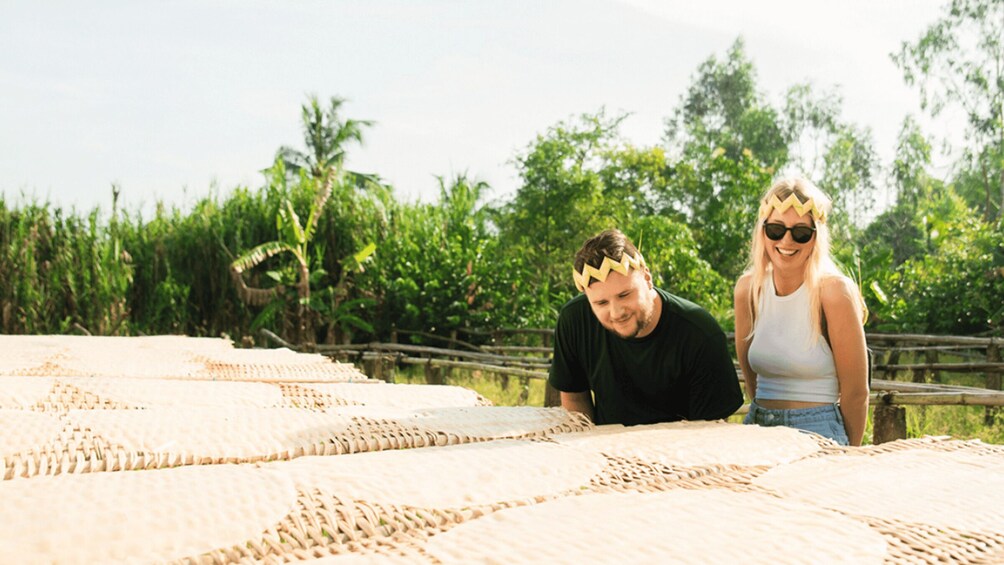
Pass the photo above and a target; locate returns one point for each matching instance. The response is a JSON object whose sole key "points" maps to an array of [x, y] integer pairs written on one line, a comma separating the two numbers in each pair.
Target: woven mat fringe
{"points": [[82, 449]]}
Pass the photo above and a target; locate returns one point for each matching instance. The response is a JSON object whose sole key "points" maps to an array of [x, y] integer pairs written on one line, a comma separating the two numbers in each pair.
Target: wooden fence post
{"points": [[993, 382], [433, 376], [888, 423], [390, 369], [524, 391], [370, 366], [925, 375], [503, 378], [552, 397], [892, 360]]}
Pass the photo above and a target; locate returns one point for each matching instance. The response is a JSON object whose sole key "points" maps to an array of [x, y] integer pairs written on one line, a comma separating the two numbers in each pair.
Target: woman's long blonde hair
{"points": [[818, 266]]}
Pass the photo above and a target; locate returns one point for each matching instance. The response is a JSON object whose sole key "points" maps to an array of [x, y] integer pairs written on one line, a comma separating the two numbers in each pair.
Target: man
{"points": [[645, 355]]}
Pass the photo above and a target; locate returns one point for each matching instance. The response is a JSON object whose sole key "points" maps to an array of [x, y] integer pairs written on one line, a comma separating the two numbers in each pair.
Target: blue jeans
{"points": [[823, 420]]}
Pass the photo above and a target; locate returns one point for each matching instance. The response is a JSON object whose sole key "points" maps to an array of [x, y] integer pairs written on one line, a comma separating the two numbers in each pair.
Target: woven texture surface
{"points": [[164, 357], [681, 526], [304, 468], [521, 500], [87, 441], [91, 393]]}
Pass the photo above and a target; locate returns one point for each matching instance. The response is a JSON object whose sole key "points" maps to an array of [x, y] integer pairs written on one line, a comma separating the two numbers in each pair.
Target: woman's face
{"points": [[786, 254]]}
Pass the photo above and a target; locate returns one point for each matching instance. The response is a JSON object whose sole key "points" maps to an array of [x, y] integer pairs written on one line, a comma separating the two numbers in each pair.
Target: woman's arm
{"points": [[743, 321], [842, 309]]}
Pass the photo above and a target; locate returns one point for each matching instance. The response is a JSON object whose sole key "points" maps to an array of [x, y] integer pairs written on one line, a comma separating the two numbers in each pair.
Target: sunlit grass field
{"points": [[959, 422]]}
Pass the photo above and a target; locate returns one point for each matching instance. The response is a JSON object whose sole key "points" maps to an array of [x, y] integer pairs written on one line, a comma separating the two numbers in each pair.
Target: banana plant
{"points": [[294, 238]]}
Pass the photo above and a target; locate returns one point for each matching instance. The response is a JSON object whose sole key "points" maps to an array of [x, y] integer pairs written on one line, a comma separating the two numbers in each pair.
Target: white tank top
{"points": [[788, 365]]}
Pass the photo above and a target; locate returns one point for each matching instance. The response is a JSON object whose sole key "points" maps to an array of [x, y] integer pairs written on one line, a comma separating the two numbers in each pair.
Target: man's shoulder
{"points": [[575, 316], [691, 313], [576, 307]]}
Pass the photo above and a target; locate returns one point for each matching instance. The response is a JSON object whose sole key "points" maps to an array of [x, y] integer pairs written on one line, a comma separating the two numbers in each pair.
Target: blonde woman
{"points": [[799, 334]]}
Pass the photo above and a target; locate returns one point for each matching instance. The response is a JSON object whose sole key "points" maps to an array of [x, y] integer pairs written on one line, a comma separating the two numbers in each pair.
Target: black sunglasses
{"points": [[801, 234]]}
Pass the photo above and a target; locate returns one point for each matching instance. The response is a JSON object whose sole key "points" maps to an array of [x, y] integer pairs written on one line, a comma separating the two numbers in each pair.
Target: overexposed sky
{"points": [[170, 98]]}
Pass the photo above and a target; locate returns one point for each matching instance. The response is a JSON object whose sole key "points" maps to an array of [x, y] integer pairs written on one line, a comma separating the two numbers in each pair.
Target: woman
{"points": [[799, 334]]}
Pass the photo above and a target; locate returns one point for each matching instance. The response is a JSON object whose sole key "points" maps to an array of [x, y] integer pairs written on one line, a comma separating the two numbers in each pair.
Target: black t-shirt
{"points": [[680, 371]]}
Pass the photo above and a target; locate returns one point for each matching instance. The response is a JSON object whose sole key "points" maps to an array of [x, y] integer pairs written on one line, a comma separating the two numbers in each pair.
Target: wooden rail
{"points": [[889, 396]]}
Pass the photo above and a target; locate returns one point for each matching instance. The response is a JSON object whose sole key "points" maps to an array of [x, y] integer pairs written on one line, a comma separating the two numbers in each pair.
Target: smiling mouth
{"points": [[786, 252]]}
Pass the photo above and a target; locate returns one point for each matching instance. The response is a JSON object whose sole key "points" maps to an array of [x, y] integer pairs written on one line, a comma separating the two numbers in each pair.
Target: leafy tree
{"points": [[719, 201], [440, 268], [850, 169], [562, 200], [898, 233], [957, 285], [636, 182], [809, 122], [959, 62], [723, 109]]}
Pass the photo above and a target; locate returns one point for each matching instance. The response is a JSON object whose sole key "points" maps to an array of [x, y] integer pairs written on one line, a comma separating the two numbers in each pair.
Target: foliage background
{"points": [[933, 262]]}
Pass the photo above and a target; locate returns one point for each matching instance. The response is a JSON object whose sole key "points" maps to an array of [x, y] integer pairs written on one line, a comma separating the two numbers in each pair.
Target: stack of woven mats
{"points": [[301, 461]]}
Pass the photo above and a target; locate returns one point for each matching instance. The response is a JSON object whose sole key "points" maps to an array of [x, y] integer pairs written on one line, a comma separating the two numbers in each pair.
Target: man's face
{"points": [[624, 304]]}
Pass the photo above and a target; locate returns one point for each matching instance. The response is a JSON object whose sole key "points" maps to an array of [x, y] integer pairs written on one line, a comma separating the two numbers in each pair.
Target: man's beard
{"points": [[640, 325]]}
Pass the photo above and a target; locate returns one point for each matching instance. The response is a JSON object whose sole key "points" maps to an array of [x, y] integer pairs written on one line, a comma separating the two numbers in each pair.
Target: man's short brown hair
{"points": [[608, 243]]}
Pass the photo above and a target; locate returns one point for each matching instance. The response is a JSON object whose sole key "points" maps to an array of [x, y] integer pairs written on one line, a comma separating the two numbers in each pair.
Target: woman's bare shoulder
{"points": [[837, 290], [744, 282]]}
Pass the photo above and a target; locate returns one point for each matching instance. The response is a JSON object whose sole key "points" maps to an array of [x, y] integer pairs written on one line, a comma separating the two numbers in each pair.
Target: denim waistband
{"points": [[792, 416]]}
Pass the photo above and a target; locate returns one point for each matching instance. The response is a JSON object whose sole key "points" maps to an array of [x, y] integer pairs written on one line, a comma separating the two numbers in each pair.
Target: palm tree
{"points": [[325, 136]]}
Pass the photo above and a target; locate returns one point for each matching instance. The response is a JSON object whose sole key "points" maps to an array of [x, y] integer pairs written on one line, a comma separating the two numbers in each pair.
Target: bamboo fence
{"points": [[525, 362]]}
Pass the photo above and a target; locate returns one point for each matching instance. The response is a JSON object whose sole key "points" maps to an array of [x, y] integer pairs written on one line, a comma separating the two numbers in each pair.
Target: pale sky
{"points": [[169, 98]]}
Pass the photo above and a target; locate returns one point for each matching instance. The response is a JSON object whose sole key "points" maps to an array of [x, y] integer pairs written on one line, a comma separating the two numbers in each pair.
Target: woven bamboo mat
{"points": [[448, 477], [232, 452], [92, 393], [517, 500], [953, 528], [396, 396], [680, 526], [934, 500], [140, 517], [171, 357], [695, 455], [694, 444], [83, 441], [310, 506]]}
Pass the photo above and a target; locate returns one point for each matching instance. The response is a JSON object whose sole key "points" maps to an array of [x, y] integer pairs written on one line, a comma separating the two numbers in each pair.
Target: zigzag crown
{"points": [[623, 267], [792, 201]]}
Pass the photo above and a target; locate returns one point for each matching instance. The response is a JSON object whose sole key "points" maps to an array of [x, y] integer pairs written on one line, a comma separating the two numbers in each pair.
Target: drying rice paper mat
{"points": [[214, 432], [399, 395], [679, 526], [952, 489], [168, 392], [23, 431], [140, 517], [453, 476], [23, 392], [693, 444]]}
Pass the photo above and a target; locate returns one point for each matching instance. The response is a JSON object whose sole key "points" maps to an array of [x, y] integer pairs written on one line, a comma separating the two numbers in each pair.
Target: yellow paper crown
{"points": [[623, 267], [792, 201]]}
